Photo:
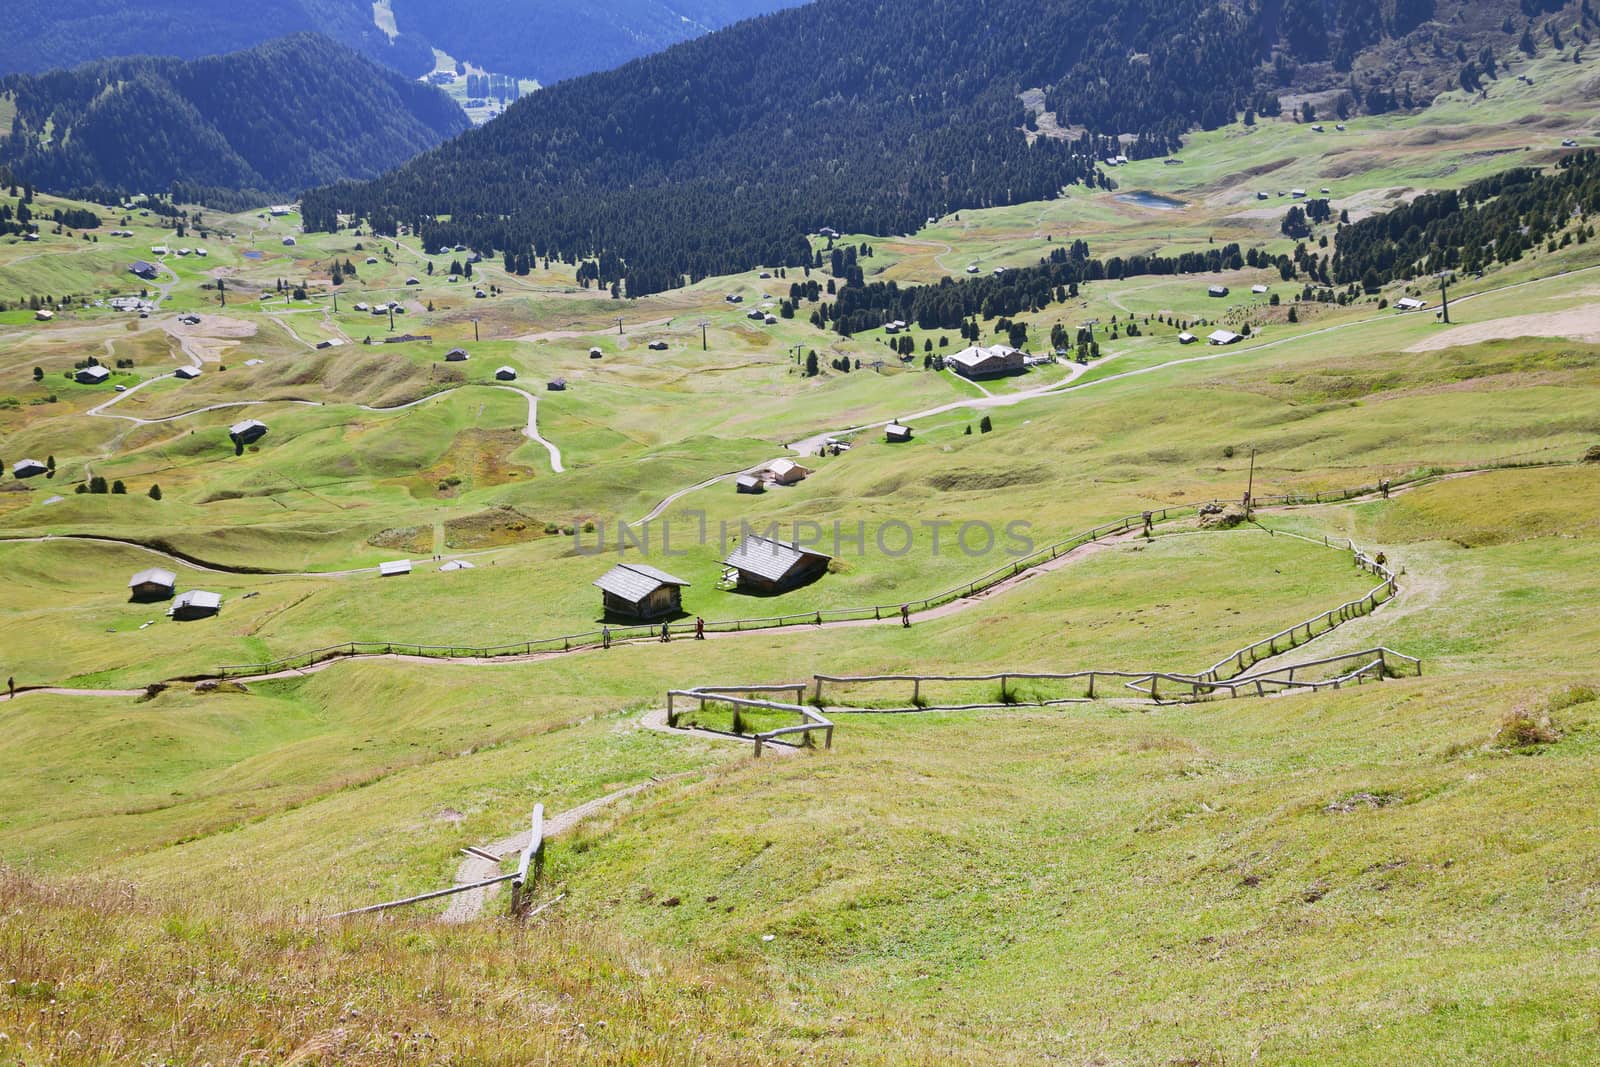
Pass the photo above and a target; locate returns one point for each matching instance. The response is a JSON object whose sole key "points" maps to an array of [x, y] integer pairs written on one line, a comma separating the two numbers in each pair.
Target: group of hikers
{"points": [[700, 627]]}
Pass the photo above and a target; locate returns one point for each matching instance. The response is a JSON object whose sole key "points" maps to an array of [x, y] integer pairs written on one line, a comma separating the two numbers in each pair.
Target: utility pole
{"points": [[336, 303], [391, 317], [1250, 486], [703, 324], [795, 348], [619, 325], [474, 329]]}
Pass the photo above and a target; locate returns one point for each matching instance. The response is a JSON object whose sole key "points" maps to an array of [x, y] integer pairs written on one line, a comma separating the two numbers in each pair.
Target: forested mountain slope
{"points": [[45, 34], [721, 153], [273, 120], [548, 39]]}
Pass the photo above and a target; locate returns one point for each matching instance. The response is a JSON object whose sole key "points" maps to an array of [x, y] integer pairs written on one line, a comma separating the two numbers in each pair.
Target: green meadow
{"points": [[1395, 871]]}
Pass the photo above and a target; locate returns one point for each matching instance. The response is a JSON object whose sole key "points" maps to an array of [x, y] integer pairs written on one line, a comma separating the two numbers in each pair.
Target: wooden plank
{"points": [[424, 896]]}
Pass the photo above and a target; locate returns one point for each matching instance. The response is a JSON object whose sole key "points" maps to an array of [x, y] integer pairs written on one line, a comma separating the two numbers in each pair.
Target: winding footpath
{"points": [[530, 431]]}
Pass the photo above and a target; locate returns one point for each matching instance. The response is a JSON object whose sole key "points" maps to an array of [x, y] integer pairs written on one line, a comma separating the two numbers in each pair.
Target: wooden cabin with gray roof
{"points": [[640, 591], [762, 565], [153, 583]]}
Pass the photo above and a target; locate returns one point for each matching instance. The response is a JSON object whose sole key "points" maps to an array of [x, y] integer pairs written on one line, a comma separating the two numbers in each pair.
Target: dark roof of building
{"points": [[767, 558], [635, 581]]}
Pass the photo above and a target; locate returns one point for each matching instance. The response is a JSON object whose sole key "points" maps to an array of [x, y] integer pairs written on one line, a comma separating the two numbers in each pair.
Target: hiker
{"points": [[699, 628], [905, 615], [605, 637], [11, 688], [666, 633]]}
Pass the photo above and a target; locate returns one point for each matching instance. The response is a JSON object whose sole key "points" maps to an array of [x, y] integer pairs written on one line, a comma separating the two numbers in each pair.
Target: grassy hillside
{"points": [[1393, 870]]}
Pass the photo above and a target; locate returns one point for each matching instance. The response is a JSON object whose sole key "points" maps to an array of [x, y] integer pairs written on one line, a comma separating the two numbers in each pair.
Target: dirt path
{"points": [[531, 431], [941, 611], [464, 907]]}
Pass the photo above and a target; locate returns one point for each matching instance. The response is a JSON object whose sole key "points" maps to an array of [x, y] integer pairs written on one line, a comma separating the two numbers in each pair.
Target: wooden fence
{"points": [[1372, 663], [588, 639], [529, 867], [812, 720]]}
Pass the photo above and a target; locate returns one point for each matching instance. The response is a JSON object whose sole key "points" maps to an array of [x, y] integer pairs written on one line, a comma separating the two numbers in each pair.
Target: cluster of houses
{"points": [[156, 583]]}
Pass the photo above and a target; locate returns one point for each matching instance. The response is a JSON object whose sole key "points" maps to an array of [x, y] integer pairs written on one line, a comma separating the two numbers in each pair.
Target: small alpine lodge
{"points": [[455, 355], [1217, 291], [394, 568], [153, 583], [896, 432], [639, 591], [28, 468], [1409, 303], [749, 483], [91, 375], [1224, 337], [761, 565], [1187, 338], [505, 374]]}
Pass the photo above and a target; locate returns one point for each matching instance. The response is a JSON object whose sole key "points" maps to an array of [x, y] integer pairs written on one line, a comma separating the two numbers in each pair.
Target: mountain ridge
{"points": [[142, 124]]}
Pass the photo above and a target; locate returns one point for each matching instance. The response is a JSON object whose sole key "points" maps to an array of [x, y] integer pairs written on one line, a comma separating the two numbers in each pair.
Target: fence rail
{"points": [[1373, 662], [812, 720], [631, 633]]}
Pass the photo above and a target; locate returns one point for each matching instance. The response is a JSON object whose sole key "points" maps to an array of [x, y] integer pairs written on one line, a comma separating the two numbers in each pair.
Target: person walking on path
{"points": [[11, 688], [666, 632], [699, 628], [605, 637], [905, 615]]}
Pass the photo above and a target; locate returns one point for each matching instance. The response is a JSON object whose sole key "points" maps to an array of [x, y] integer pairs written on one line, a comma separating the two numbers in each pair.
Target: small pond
{"points": [[1145, 198]]}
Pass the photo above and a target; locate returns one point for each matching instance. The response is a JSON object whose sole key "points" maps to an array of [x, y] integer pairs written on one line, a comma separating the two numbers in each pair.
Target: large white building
{"points": [[980, 362]]}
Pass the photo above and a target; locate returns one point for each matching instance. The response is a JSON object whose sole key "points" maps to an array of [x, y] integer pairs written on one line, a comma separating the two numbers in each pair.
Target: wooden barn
{"points": [[249, 430], [761, 565], [195, 604], [153, 583], [639, 591]]}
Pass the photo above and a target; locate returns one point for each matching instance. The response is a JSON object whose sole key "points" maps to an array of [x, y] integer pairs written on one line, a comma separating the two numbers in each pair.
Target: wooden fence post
{"points": [[530, 866]]}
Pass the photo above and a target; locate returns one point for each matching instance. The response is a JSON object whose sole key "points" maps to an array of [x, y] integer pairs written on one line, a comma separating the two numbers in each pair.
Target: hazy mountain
{"points": [[552, 41], [544, 39], [274, 119], [46, 34]]}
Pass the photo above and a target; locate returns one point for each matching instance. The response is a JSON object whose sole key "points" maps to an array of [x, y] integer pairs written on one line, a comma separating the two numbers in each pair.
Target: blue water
{"points": [[1145, 198]]}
